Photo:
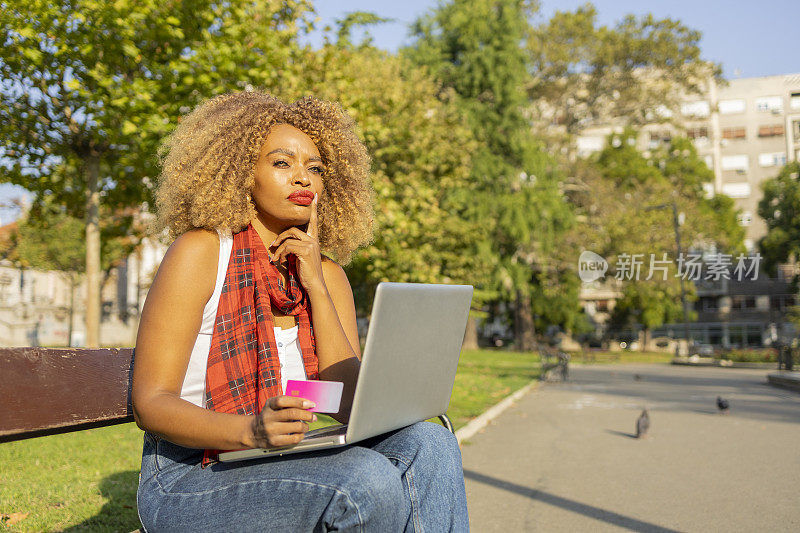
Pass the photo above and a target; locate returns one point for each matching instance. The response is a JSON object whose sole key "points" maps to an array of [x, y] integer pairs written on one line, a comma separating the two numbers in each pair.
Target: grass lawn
{"points": [[86, 481]]}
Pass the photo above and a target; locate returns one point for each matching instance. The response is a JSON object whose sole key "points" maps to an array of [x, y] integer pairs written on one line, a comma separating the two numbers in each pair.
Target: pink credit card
{"points": [[325, 394]]}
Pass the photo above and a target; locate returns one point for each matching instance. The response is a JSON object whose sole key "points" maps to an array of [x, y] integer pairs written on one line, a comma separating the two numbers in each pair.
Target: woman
{"points": [[252, 191]]}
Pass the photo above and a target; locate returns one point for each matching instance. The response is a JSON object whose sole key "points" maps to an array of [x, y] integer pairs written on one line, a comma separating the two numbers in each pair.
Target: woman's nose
{"points": [[301, 177]]}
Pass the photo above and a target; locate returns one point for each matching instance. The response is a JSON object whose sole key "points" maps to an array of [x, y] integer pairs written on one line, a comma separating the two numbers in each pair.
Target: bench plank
{"points": [[44, 391]]}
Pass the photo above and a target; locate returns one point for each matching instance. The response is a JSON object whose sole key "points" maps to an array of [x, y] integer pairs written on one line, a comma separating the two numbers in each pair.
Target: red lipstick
{"points": [[302, 197]]}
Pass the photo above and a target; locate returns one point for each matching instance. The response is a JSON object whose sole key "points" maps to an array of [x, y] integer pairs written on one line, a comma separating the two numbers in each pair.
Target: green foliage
{"points": [[709, 222], [780, 209], [472, 47], [650, 303], [681, 165], [421, 155], [625, 204], [91, 88], [53, 241], [624, 165], [635, 70], [749, 355], [107, 80], [351, 20]]}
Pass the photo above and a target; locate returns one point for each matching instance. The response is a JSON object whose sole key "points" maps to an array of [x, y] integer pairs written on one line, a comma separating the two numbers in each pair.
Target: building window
{"points": [[659, 137], [796, 130], [775, 130], [733, 133], [744, 219], [735, 162], [782, 303], [696, 109], [736, 190], [697, 133], [731, 107], [772, 160], [602, 306], [743, 302], [794, 101], [754, 335], [769, 103], [707, 303]]}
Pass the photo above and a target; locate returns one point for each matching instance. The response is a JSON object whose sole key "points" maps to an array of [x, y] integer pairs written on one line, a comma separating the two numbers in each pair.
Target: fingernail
{"points": [[313, 418], [308, 405], [315, 196]]}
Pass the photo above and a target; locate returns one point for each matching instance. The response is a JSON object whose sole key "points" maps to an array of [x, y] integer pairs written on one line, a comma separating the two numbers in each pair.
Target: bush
{"points": [[750, 355]]}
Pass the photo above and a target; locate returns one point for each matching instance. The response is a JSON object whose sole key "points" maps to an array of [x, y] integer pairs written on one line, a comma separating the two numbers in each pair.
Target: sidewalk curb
{"points": [[482, 420], [722, 363], [785, 379]]}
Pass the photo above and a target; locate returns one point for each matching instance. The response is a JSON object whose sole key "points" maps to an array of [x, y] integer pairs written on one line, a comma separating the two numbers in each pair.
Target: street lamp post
{"points": [[675, 224]]}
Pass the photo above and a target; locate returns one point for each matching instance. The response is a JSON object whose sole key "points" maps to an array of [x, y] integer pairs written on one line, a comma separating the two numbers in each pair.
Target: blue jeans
{"points": [[409, 479]]}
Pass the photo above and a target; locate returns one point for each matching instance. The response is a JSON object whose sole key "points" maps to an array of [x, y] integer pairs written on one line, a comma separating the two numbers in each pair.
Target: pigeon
{"points": [[642, 424], [722, 404]]}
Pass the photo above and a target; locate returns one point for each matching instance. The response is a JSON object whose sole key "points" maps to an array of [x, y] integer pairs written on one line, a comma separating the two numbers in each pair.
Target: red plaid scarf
{"points": [[243, 367]]}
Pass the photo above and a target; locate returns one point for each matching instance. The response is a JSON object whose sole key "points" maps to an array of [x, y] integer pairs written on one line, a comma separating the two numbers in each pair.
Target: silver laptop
{"points": [[407, 369]]}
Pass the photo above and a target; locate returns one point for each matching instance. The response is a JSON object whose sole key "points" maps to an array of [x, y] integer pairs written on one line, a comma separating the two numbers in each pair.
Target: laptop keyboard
{"points": [[327, 431]]}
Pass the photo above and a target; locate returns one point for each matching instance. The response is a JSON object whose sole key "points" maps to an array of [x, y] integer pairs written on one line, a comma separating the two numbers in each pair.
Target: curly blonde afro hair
{"points": [[208, 167]]}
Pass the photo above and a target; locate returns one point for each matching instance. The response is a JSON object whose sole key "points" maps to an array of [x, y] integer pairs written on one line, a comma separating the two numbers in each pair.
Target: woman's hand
{"points": [[282, 422], [304, 246]]}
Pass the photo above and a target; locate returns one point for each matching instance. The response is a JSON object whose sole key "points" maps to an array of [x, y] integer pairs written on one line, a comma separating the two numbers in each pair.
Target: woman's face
{"points": [[287, 175]]}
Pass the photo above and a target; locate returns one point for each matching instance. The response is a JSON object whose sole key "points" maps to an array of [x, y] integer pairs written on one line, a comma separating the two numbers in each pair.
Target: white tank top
{"points": [[194, 383]]}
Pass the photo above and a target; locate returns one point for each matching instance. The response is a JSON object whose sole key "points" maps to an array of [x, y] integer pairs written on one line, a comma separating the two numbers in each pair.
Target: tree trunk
{"points": [[524, 333], [72, 284], [645, 339], [471, 334], [92, 252]]}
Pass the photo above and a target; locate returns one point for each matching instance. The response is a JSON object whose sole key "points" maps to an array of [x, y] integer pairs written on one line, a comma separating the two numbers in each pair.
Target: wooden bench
{"points": [[45, 391]]}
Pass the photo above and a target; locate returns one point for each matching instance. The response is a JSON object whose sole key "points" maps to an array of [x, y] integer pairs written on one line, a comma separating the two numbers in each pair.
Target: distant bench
{"points": [[555, 364]]}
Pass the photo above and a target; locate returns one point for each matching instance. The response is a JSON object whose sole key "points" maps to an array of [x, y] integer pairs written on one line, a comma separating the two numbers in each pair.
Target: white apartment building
{"points": [[746, 130]]}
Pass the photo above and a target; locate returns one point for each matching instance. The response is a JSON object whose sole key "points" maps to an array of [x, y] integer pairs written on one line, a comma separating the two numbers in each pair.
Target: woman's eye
{"points": [[280, 163], [318, 170]]}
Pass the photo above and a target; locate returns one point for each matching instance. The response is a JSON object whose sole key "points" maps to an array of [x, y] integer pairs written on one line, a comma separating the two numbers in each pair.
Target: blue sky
{"points": [[749, 38]]}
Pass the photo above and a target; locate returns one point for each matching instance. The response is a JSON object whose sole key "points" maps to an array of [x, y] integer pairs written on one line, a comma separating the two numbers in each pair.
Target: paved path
{"points": [[564, 457]]}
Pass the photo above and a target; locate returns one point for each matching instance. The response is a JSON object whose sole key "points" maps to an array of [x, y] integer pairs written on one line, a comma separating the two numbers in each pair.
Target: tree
{"points": [[472, 47], [47, 238], [421, 154], [710, 222], [780, 209], [635, 72], [55, 243], [620, 191], [89, 88]]}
